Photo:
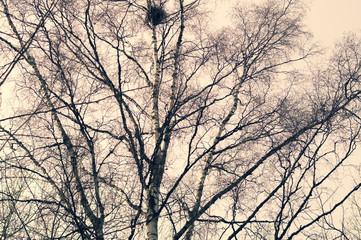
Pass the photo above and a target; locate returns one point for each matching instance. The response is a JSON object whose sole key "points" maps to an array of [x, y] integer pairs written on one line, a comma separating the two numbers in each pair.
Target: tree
{"points": [[134, 121]]}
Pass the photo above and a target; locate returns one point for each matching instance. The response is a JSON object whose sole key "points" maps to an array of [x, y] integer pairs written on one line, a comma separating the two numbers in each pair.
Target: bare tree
{"points": [[137, 122]]}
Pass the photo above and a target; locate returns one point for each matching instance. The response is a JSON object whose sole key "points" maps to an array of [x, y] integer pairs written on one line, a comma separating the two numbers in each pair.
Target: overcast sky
{"points": [[330, 19]]}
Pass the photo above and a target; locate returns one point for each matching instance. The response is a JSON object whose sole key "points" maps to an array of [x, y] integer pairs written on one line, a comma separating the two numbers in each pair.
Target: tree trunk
{"points": [[152, 209], [98, 227]]}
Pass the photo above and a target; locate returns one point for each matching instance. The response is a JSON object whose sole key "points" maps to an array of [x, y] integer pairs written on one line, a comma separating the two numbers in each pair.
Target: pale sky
{"points": [[328, 20]]}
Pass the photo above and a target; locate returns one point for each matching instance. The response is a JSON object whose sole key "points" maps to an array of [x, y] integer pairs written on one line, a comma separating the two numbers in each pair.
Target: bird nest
{"points": [[156, 15]]}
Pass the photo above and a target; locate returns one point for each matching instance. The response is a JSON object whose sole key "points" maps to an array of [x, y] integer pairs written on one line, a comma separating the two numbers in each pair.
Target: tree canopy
{"points": [[137, 119]]}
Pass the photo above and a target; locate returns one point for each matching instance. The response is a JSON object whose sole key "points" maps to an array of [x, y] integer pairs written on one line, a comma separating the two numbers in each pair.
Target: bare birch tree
{"points": [[133, 120]]}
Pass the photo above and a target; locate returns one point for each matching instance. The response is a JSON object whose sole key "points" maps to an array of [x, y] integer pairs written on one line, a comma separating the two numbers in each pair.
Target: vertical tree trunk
{"points": [[155, 168], [98, 227], [152, 209], [161, 145]]}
